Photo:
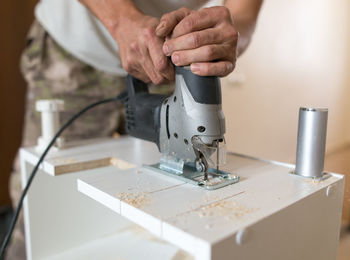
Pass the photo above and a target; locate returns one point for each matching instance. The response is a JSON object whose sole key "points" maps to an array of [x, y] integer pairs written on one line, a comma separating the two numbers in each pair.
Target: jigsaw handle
{"points": [[204, 89], [142, 110]]}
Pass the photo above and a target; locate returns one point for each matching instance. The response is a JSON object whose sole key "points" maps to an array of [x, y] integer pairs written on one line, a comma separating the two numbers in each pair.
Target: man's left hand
{"points": [[205, 39]]}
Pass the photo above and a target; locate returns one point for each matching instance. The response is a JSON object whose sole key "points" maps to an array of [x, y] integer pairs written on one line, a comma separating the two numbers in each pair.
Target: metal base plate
{"points": [[216, 179]]}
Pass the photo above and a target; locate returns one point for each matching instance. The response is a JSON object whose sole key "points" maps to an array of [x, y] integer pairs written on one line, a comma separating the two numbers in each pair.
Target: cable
{"points": [[5, 243]]}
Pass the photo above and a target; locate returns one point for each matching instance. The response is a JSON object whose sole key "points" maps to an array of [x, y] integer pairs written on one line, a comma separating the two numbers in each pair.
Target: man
{"points": [[81, 52]]}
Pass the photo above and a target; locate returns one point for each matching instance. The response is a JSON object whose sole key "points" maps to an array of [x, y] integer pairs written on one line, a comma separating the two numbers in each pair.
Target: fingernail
{"points": [[166, 49], [229, 66], [175, 58], [195, 67]]}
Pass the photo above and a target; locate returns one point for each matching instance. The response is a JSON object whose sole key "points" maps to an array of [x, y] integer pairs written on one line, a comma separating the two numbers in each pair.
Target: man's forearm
{"points": [[140, 49], [245, 13], [112, 12]]}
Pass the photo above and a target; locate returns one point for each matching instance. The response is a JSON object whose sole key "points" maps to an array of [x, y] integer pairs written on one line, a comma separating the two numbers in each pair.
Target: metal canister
{"points": [[311, 144]]}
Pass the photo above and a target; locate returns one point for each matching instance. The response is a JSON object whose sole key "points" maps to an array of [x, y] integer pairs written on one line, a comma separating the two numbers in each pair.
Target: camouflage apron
{"points": [[53, 73]]}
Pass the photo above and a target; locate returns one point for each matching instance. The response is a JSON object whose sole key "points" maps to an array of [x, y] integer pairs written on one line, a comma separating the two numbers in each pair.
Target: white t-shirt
{"points": [[79, 32]]}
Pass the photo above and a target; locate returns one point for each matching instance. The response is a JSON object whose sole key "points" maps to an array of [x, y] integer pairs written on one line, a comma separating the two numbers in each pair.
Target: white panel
{"points": [[59, 221], [197, 220]]}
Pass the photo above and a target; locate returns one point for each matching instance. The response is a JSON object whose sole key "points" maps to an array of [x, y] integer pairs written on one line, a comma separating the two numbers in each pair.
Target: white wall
{"points": [[348, 95], [300, 56]]}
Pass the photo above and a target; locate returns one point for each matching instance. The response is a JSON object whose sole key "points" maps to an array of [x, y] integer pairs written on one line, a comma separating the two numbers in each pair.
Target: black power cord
{"points": [[5, 243]]}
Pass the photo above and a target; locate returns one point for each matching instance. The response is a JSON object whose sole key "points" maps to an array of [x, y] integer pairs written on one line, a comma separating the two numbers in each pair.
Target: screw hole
{"points": [[186, 142], [175, 99], [175, 135], [201, 129]]}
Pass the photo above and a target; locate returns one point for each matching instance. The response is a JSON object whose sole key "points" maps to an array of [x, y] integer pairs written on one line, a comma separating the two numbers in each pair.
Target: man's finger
{"points": [[201, 54], [135, 68], [138, 72], [148, 67], [220, 68], [196, 21], [193, 40], [160, 62], [141, 76], [170, 20]]}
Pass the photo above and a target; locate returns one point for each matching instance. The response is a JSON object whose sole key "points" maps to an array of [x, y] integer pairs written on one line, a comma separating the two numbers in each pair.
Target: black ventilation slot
{"points": [[167, 121]]}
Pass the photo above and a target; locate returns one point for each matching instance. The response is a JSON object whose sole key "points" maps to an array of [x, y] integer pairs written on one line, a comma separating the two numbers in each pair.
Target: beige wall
{"points": [[348, 94], [300, 56]]}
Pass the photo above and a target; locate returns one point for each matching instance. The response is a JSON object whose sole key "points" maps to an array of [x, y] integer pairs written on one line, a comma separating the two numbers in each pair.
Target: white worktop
{"points": [[198, 221]]}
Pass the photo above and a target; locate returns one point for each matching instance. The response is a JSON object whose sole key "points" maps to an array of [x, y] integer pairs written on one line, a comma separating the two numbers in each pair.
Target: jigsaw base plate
{"points": [[216, 179]]}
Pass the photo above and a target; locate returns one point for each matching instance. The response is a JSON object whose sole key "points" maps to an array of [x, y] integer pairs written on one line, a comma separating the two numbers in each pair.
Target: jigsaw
{"points": [[187, 126]]}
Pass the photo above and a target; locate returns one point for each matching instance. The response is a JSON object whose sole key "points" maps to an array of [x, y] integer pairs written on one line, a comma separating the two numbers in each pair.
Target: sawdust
{"points": [[325, 180], [315, 182], [121, 164], [136, 200], [231, 210]]}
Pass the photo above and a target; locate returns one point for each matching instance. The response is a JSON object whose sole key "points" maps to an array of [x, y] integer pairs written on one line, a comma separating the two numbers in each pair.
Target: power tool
{"points": [[187, 126]]}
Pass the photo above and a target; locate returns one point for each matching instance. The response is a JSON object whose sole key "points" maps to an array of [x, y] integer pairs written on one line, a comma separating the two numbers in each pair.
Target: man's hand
{"points": [[140, 49], [205, 39]]}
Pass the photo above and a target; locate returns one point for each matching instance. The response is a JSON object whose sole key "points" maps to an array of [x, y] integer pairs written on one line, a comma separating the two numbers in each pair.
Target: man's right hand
{"points": [[140, 49]]}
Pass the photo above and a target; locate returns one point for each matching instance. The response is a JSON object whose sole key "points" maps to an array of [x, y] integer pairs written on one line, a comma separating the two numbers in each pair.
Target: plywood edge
{"points": [[76, 166], [82, 166]]}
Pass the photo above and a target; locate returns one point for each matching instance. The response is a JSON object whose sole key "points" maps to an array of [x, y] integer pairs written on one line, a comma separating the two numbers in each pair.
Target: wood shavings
{"points": [[121, 164], [325, 180], [228, 209], [313, 181], [134, 199]]}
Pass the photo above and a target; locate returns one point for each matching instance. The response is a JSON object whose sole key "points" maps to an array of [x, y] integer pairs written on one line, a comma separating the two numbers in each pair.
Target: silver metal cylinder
{"points": [[311, 145]]}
